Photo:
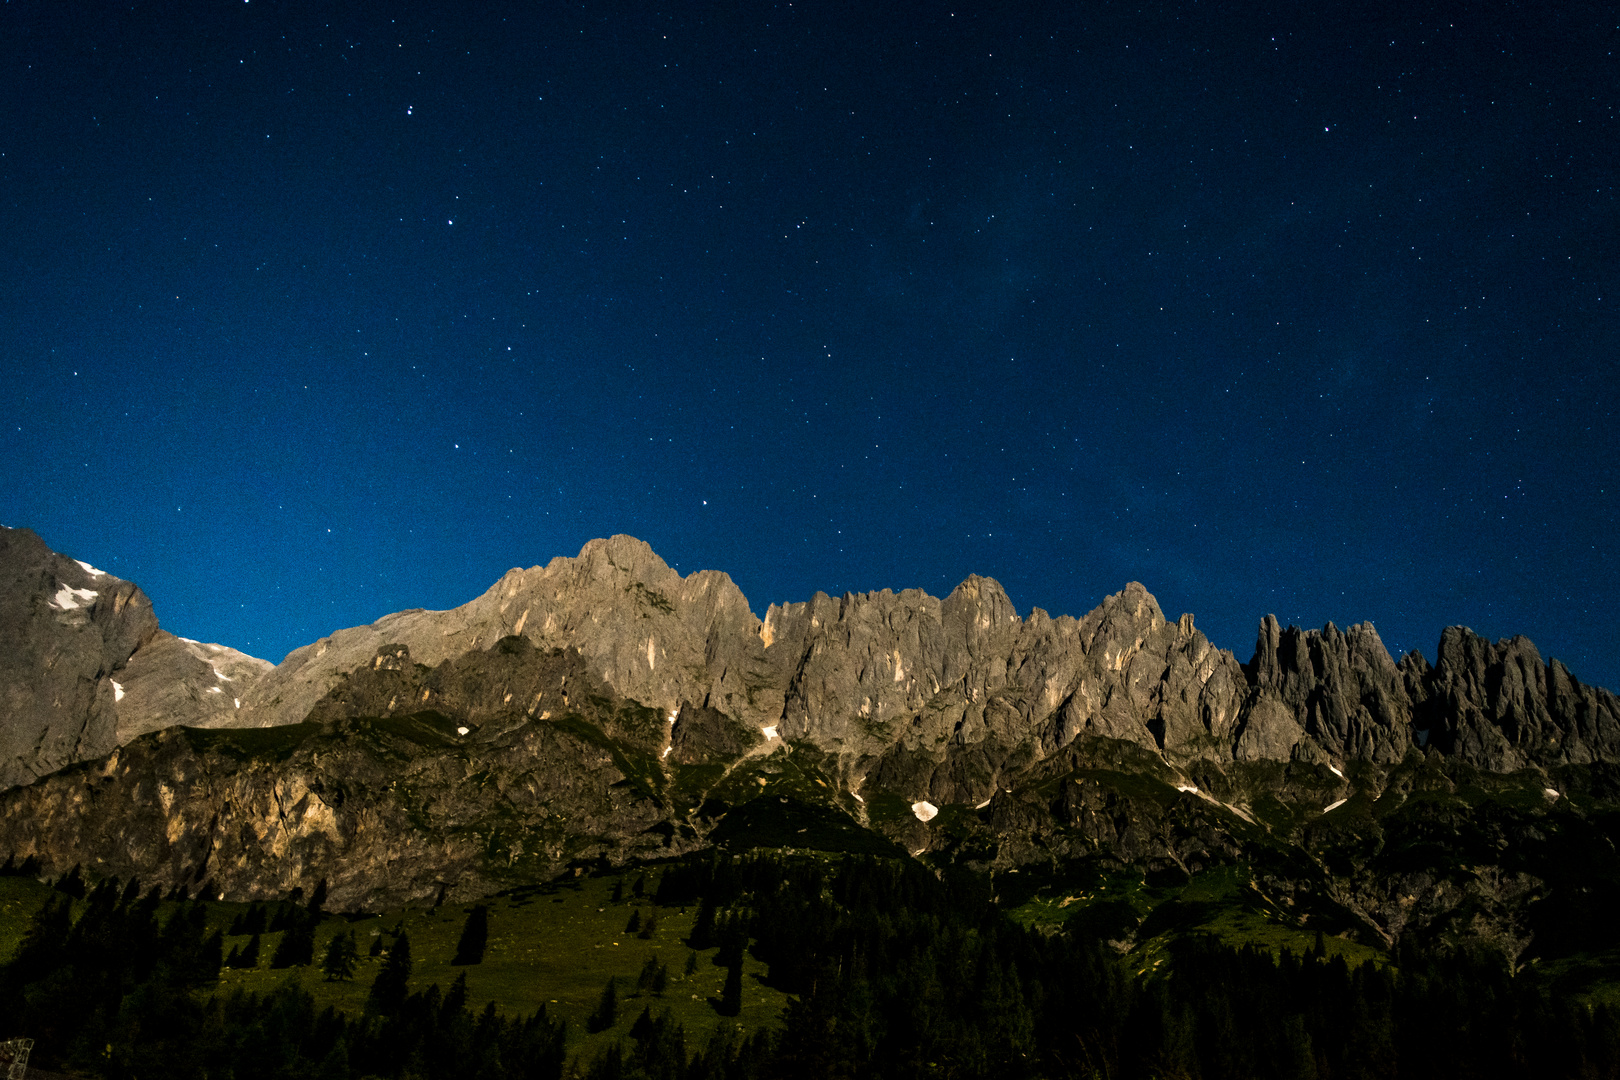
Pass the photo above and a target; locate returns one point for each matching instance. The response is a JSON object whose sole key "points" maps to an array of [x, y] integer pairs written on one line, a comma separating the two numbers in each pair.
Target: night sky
{"points": [[310, 313]]}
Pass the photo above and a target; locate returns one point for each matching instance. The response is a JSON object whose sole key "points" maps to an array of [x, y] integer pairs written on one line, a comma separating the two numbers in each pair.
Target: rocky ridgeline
{"points": [[868, 675], [606, 706]]}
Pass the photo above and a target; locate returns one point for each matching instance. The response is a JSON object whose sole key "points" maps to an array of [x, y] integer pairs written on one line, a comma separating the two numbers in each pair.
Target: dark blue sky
{"points": [[315, 312]]}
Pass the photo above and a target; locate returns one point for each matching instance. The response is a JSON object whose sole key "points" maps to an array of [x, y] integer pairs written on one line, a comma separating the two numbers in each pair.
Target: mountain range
{"points": [[604, 708]]}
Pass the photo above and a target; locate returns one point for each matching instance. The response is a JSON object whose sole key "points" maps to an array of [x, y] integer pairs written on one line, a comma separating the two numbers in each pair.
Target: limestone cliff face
{"points": [[66, 629], [1500, 707], [1326, 694], [173, 680], [940, 697], [84, 666]]}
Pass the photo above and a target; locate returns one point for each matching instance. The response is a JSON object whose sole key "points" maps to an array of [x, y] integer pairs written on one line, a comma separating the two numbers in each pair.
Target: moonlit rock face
{"points": [[925, 811]]}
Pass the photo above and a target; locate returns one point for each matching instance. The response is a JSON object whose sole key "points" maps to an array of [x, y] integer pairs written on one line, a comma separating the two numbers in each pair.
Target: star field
{"points": [[317, 313]]}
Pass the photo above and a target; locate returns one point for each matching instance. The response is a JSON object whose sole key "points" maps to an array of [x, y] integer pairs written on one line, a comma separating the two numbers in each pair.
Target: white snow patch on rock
{"points": [[215, 690], [221, 676], [1336, 772], [667, 749], [118, 691], [68, 598], [238, 702], [1334, 805], [462, 730], [857, 797], [1187, 788], [92, 571], [984, 804], [925, 811], [769, 731], [1550, 793]]}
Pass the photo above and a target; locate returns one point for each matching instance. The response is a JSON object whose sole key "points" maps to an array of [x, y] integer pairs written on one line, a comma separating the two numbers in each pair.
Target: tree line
{"points": [[892, 972]]}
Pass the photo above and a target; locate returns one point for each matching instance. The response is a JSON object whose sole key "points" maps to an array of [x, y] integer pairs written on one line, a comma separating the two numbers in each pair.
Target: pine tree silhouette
{"points": [[341, 954], [389, 989]]}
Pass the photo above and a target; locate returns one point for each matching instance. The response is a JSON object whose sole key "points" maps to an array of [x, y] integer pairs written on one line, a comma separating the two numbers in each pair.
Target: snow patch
{"points": [[1334, 805], [221, 676], [68, 598], [118, 691], [857, 797], [1549, 792], [1336, 772], [238, 702], [925, 811], [1187, 787], [92, 571], [769, 731], [984, 804], [665, 754], [462, 730], [215, 690]]}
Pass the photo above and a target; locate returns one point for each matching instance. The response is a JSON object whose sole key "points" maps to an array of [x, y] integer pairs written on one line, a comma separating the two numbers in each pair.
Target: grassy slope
{"points": [[551, 947]]}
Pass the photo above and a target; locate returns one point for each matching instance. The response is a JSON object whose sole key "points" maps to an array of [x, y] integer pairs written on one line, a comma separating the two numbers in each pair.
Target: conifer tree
{"points": [[297, 945], [702, 936], [389, 989], [341, 954]]}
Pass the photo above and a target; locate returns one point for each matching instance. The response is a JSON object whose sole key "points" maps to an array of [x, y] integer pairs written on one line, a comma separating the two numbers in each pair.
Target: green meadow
{"points": [[552, 946]]}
